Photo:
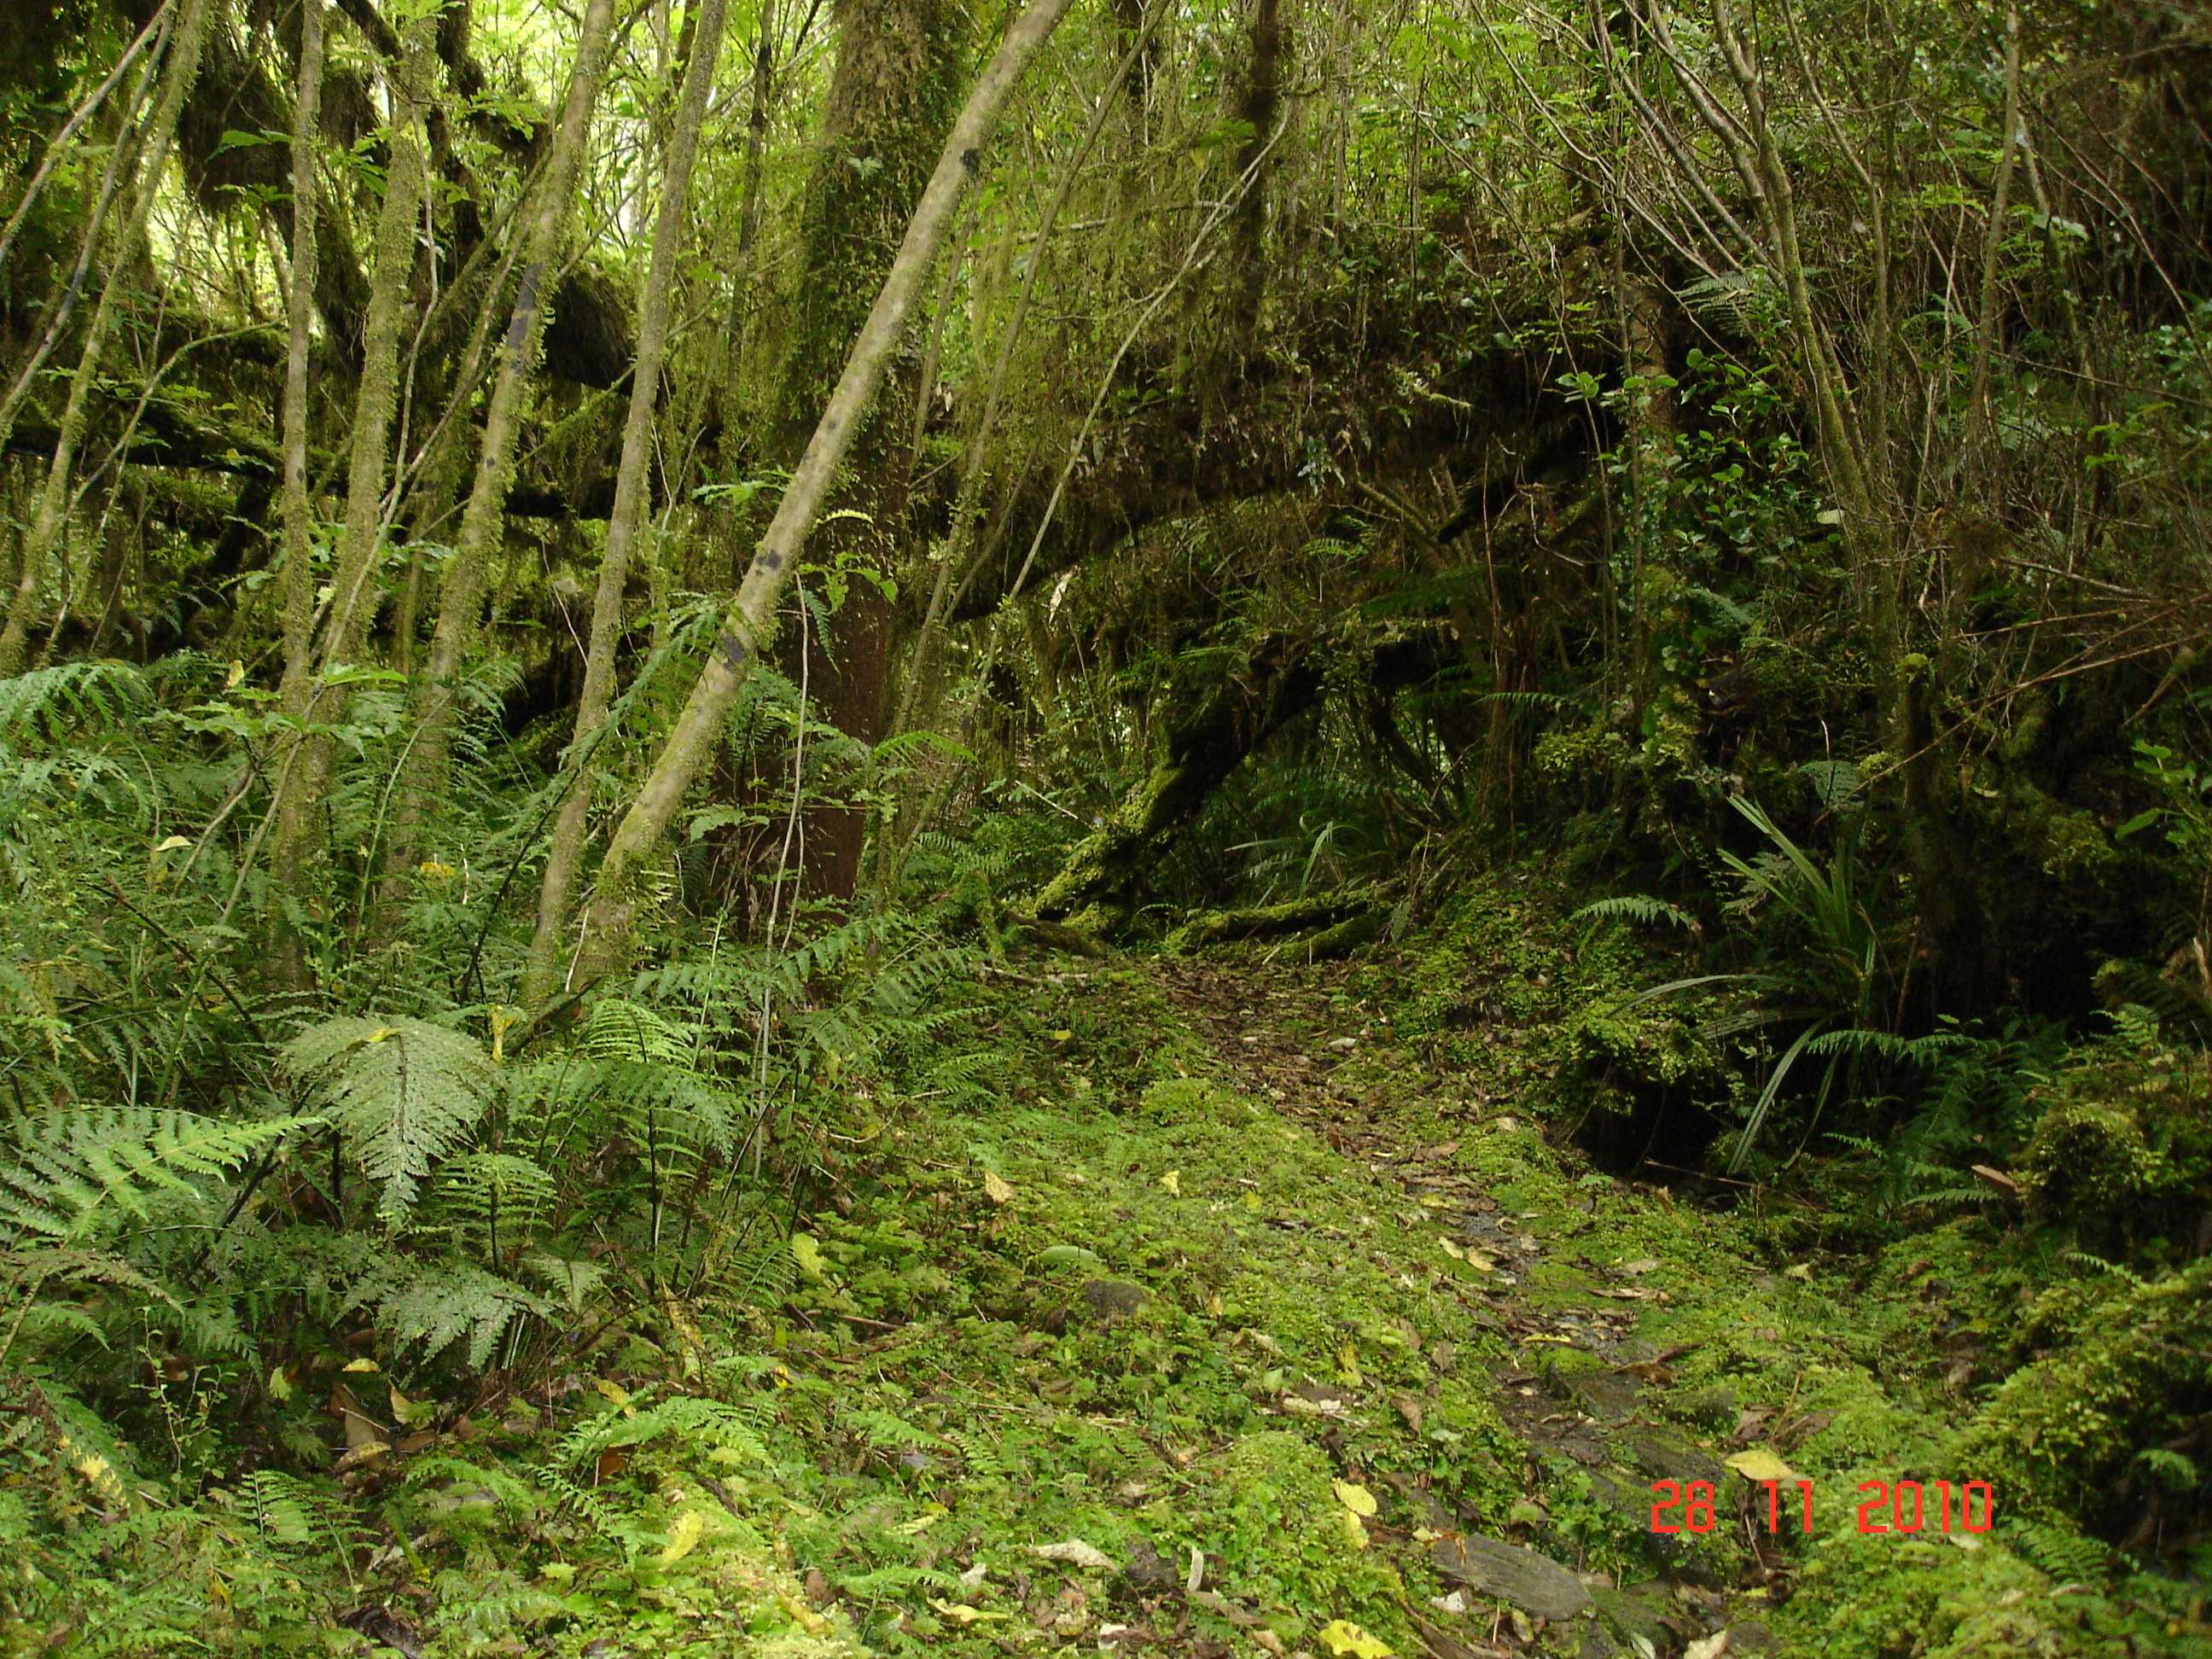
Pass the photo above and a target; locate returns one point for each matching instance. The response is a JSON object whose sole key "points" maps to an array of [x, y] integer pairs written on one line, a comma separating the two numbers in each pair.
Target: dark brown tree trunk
{"points": [[891, 100]]}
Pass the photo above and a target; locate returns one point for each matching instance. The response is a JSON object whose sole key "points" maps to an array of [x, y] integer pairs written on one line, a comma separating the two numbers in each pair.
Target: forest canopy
{"points": [[901, 826]]}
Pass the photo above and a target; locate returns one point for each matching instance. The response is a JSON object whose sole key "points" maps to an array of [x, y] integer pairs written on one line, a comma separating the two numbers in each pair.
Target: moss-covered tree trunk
{"points": [[1204, 742], [308, 697], [892, 97], [181, 70], [749, 620]]}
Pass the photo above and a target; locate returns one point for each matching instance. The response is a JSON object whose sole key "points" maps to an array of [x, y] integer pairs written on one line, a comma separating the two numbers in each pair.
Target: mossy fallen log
{"points": [[1299, 916]]}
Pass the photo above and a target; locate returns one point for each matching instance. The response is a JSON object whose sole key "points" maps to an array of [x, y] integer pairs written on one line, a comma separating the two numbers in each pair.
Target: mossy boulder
{"points": [[2080, 1428], [2122, 1149]]}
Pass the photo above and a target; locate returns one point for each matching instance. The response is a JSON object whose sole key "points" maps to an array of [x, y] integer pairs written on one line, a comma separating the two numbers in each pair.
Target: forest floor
{"points": [[1189, 1308], [1225, 1325]]}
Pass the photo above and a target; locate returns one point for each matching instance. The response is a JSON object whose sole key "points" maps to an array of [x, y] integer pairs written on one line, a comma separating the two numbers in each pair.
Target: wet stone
{"points": [[1665, 1458], [1749, 1636], [1114, 1299], [1535, 1583], [1637, 1616], [1607, 1395]]}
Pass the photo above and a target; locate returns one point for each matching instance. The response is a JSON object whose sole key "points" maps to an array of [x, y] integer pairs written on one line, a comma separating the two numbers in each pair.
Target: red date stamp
{"points": [[1895, 1506]]}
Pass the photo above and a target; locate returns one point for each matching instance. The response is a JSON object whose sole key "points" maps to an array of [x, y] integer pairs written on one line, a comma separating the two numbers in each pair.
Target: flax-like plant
{"points": [[1826, 986]]}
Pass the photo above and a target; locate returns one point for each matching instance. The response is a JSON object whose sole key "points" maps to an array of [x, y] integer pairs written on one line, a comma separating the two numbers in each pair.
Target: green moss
{"points": [[1268, 1507], [2137, 1371]]}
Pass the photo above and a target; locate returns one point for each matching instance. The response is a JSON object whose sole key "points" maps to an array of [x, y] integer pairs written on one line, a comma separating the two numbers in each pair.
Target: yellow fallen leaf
{"points": [[361, 1366], [683, 1537], [1454, 1251], [1347, 1640], [1355, 1529], [1759, 1464], [961, 1613], [1355, 1497], [1173, 1181], [616, 1395], [1348, 1363], [997, 1188]]}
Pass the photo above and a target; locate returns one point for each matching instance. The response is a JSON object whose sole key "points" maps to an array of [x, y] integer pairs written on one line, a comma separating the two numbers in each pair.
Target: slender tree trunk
{"points": [[748, 621], [300, 303], [542, 971], [182, 69], [1982, 453], [307, 698], [1263, 96], [483, 521], [748, 211]]}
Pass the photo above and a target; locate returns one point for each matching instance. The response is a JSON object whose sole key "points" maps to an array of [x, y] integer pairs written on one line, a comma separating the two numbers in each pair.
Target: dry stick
{"points": [[748, 621], [630, 481], [483, 519], [182, 69], [82, 114]]}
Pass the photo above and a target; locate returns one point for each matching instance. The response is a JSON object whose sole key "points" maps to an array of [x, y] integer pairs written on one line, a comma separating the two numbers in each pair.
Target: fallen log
{"points": [[1298, 915]]}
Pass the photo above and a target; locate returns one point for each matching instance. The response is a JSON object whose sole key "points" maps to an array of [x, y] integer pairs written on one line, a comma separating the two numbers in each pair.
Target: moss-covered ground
{"points": [[1201, 1315], [1198, 1308]]}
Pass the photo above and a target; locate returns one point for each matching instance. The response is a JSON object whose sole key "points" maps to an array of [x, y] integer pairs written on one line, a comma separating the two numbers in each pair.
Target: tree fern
{"points": [[403, 1092]]}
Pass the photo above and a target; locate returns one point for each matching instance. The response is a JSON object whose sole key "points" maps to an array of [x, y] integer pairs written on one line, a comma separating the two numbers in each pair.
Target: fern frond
{"points": [[1638, 907], [404, 1091]]}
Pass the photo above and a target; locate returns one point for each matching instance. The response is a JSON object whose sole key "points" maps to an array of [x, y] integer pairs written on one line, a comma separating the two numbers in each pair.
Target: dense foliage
{"points": [[896, 828]]}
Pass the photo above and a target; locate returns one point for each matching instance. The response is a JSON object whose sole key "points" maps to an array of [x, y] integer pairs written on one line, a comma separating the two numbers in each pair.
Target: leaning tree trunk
{"points": [[748, 621], [182, 69], [483, 521], [541, 971], [1209, 740]]}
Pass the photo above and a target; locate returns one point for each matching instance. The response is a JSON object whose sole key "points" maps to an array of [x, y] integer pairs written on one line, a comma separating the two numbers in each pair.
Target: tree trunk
{"points": [[298, 514], [892, 96], [306, 696], [748, 621], [483, 521], [1208, 741], [542, 971]]}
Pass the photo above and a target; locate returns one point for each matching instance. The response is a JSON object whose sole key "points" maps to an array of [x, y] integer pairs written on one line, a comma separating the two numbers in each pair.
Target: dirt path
{"points": [[1586, 1380]]}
